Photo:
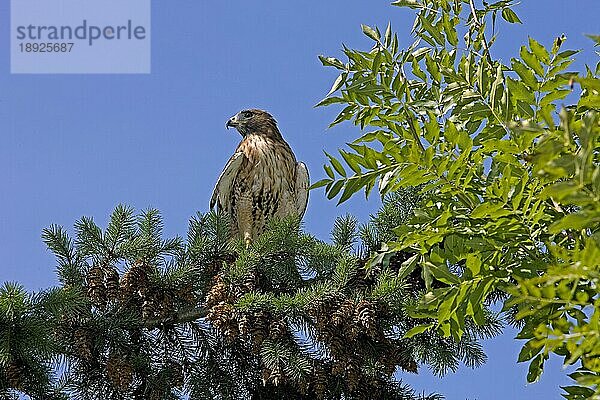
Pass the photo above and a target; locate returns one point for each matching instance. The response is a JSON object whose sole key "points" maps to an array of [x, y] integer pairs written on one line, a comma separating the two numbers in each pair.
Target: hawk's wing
{"points": [[302, 184], [222, 191]]}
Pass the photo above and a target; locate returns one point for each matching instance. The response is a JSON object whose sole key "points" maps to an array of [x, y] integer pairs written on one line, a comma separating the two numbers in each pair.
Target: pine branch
{"points": [[181, 317], [151, 316]]}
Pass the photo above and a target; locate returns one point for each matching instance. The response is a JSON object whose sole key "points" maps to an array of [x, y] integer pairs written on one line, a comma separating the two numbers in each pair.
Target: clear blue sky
{"points": [[73, 145]]}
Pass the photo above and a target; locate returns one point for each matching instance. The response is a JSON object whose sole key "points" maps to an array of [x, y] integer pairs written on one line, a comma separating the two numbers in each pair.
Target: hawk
{"points": [[262, 179]]}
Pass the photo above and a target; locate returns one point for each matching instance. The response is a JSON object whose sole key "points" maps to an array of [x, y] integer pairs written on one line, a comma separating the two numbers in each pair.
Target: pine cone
{"points": [[365, 317], [397, 356], [156, 394], [359, 280], [276, 376], [119, 372], [338, 368], [14, 374], [337, 343], [354, 330], [222, 318], [352, 374], [112, 284], [217, 293], [259, 329], [278, 329], [250, 281], [148, 309], [186, 294], [410, 365], [135, 281], [220, 314], [95, 286], [320, 383], [83, 344], [266, 374], [166, 303], [258, 335], [344, 312], [322, 310], [369, 389], [243, 324]]}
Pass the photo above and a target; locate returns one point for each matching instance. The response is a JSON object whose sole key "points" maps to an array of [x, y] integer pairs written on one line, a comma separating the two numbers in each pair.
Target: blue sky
{"points": [[73, 145]]}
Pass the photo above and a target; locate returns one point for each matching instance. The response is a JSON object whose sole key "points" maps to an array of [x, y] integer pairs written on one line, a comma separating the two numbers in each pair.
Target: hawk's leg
{"points": [[245, 219]]}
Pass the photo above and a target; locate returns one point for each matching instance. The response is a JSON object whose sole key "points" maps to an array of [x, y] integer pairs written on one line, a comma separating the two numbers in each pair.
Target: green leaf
{"points": [[566, 54], [432, 30], [473, 264], [530, 350], [344, 115], [525, 74], [580, 392], [553, 96], [589, 83], [489, 210], [407, 3], [447, 306], [321, 183], [595, 38], [520, 91], [351, 160], [535, 369], [335, 189], [339, 168], [352, 186], [449, 30], [388, 34], [408, 266], [416, 69], [531, 61], [525, 109], [574, 221], [341, 79], [560, 190], [329, 171], [332, 62], [590, 101], [510, 16], [539, 51], [442, 274], [416, 330], [329, 101], [370, 32]]}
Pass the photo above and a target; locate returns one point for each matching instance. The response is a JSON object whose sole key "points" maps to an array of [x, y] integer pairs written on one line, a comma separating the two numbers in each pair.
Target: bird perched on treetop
{"points": [[262, 179]]}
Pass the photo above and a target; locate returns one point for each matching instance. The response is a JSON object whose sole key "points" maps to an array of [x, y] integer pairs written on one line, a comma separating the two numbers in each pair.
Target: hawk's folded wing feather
{"points": [[302, 184], [222, 192]]}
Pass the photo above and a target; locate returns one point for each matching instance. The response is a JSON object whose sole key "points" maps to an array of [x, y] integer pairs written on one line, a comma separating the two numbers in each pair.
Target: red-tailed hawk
{"points": [[262, 179]]}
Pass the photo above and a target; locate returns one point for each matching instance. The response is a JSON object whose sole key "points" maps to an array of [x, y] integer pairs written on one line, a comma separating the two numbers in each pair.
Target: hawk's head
{"points": [[254, 121]]}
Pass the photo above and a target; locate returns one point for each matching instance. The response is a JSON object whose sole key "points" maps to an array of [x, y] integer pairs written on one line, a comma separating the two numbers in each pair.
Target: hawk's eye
{"points": [[246, 114]]}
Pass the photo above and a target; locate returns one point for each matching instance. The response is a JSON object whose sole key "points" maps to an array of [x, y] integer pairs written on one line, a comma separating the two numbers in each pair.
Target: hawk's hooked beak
{"points": [[232, 122]]}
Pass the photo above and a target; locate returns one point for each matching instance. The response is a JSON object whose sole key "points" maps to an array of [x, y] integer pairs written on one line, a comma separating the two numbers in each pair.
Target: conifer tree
{"points": [[138, 316]]}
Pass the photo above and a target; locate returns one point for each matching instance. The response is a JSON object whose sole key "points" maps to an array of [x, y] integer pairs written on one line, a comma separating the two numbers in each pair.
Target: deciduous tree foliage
{"points": [[511, 172]]}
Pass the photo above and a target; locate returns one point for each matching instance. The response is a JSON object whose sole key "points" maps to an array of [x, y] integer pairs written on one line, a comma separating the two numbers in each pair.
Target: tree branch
{"points": [[177, 318], [480, 26]]}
